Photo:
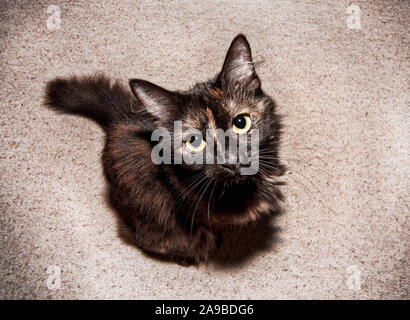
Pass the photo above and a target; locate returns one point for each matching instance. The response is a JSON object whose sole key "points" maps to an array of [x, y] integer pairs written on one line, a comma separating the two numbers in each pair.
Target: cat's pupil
{"points": [[195, 140], [239, 122]]}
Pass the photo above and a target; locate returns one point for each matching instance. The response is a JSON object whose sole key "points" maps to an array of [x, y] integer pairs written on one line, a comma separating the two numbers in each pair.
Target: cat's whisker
{"points": [[324, 206], [190, 188], [199, 183], [328, 177], [197, 202], [267, 157], [209, 202], [196, 180], [275, 168], [304, 186]]}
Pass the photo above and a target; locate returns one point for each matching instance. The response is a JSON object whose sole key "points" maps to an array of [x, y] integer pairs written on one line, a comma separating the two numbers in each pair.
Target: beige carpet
{"points": [[344, 92]]}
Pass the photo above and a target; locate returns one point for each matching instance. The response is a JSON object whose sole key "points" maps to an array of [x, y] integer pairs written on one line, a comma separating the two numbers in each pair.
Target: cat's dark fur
{"points": [[172, 217]]}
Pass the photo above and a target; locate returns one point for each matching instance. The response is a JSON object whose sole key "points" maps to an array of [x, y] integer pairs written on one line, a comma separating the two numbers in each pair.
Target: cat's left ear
{"points": [[158, 101], [238, 69]]}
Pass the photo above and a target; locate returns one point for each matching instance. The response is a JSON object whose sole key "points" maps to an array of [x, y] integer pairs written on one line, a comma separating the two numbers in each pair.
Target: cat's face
{"points": [[203, 121]]}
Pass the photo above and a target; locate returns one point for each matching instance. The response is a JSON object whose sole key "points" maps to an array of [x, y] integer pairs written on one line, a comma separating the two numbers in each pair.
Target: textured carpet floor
{"points": [[345, 97]]}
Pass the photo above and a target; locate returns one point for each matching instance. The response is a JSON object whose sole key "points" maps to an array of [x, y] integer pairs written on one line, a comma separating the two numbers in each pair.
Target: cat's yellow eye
{"points": [[241, 123], [195, 143]]}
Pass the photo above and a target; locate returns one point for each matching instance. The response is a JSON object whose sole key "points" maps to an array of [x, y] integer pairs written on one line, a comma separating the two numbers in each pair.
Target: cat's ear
{"points": [[158, 101], [238, 68]]}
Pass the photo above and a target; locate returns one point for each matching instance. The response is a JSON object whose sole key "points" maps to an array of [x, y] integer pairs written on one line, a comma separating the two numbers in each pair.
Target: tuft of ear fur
{"points": [[158, 101], [238, 69]]}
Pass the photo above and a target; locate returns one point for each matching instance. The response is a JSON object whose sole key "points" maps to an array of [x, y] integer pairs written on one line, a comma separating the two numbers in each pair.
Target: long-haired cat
{"points": [[179, 211]]}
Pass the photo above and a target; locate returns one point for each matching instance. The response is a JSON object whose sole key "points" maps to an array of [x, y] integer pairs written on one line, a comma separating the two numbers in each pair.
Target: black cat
{"points": [[179, 211]]}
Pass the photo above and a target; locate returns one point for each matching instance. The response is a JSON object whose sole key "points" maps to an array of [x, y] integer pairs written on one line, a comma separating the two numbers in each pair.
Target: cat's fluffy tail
{"points": [[95, 97]]}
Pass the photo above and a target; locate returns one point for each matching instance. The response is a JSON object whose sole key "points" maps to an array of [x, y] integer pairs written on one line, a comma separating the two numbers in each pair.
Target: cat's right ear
{"points": [[239, 69], [158, 101]]}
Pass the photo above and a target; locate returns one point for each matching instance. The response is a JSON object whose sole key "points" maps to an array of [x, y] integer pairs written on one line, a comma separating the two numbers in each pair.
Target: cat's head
{"points": [[199, 123]]}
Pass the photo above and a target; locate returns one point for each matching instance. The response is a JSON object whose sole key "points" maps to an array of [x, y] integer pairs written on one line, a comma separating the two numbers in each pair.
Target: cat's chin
{"points": [[227, 176], [230, 179]]}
